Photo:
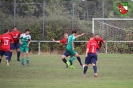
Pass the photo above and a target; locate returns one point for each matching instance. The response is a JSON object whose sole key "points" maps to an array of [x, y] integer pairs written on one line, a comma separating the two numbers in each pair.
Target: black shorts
{"points": [[91, 58], [6, 53]]}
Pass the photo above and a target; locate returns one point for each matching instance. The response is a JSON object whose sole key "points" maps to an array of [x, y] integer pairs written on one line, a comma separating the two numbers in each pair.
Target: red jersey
{"points": [[92, 46], [99, 42], [6, 39], [0, 40], [64, 41], [15, 35]]}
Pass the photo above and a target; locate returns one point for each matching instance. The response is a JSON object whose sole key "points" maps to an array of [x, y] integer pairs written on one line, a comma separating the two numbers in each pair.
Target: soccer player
{"points": [[70, 48], [5, 39], [16, 45], [24, 41], [91, 55], [99, 41], [64, 41]]}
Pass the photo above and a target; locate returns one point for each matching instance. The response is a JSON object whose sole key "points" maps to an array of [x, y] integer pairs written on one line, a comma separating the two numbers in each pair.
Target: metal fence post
{"points": [[106, 48], [39, 48], [92, 25], [72, 14], [43, 19], [102, 8], [102, 17], [14, 12]]}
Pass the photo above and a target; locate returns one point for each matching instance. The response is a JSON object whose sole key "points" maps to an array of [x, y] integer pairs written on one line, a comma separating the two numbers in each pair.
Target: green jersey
{"points": [[24, 39], [71, 39]]}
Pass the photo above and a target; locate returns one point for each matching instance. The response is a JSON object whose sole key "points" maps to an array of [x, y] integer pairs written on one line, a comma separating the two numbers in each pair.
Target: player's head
{"points": [[27, 31], [91, 36], [74, 32], [97, 36], [6, 31], [15, 28], [65, 35]]}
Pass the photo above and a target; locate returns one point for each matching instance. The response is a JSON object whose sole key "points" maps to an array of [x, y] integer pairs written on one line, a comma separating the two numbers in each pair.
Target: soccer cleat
{"points": [[72, 67], [28, 63], [22, 64], [68, 63], [18, 59], [95, 75], [7, 63], [83, 75], [66, 66]]}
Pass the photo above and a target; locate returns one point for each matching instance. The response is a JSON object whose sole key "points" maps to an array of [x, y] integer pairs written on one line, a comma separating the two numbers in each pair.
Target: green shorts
{"points": [[70, 51], [24, 49]]}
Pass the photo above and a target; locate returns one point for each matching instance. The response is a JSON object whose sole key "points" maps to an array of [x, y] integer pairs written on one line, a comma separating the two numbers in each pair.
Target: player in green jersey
{"points": [[24, 40], [70, 47]]}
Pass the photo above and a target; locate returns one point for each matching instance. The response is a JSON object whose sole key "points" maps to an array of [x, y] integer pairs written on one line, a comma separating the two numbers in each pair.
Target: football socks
{"points": [[27, 59], [64, 60], [10, 56], [22, 60], [18, 55], [78, 58], [85, 69], [95, 69]]}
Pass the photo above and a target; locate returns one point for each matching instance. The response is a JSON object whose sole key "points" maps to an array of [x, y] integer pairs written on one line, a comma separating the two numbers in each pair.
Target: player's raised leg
{"points": [[78, 58]]}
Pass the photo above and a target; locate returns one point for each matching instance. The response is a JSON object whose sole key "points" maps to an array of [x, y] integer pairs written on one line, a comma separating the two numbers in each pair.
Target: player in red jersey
{"points": [[5, 39], [100, 41], [16, 45], [64, 41], [91, 55]]}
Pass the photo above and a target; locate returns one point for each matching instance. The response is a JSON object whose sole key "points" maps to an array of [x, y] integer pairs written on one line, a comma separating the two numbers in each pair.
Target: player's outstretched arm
{"points": [[56, 41], [80, 35]]}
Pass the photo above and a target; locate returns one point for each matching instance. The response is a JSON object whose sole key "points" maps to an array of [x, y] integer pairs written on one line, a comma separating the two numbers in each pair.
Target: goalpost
{"points": [[117, 32]]}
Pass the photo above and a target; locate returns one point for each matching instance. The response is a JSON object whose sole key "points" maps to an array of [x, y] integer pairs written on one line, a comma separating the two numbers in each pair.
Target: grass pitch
{"points": [[48, 71]]}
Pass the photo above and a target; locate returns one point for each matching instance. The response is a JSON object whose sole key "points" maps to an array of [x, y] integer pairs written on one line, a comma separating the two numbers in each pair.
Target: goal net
{"points": [[117, 32]]}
